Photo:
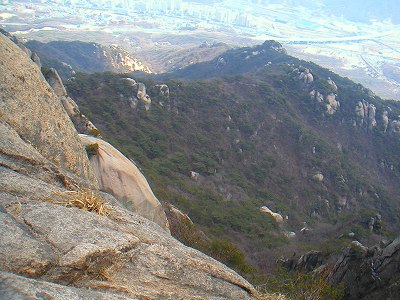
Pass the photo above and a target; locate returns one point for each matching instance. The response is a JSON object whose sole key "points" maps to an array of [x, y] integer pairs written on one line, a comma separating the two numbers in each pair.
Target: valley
{"points": [[226, 142]]}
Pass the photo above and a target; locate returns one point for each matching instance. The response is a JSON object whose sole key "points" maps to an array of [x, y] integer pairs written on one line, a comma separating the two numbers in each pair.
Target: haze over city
{"points": [[359, 39]]}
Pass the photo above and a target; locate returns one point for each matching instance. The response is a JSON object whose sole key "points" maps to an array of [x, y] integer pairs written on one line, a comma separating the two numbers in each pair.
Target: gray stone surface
{"points": [[123, 253], [14, 287], [30, 107], [23, 157], [369, 273], [81, 122]]}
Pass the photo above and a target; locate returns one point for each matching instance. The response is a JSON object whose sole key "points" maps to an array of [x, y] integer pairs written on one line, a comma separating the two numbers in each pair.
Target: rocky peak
{"points": [[86, 57], [274, 46]]}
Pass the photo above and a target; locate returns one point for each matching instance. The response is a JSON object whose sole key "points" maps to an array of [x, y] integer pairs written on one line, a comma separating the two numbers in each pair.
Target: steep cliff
{"points": [[31, 108]]}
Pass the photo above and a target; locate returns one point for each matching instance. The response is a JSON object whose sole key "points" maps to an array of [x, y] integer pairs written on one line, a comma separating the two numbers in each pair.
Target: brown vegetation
{"points": [[87, 200]]}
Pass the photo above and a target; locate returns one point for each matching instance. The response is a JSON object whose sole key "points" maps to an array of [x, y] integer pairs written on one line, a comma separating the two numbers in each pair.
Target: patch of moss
{"points": [[92, 149]]}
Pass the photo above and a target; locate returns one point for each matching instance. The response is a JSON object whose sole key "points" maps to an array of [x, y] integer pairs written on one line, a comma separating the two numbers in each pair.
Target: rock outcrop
{"points": [[309, 261], [306, 76], [395, 126], [369, 273], [119, 176], [35, 58], [306, 263], [139, 98], [85, 57], [319, 177], [316, 96], [332, 84], [385, 120], [365, 115], [52, 249], [29, 106], [122, 60], [332, 104], [81, 122], [276, 46], [278, 217], [327, 102], [375, 224]]}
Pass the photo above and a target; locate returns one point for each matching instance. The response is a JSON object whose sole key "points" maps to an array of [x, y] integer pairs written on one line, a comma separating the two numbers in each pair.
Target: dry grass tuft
{"points": [[262, 295], [271, 297], [87, 200], [103, 275]]}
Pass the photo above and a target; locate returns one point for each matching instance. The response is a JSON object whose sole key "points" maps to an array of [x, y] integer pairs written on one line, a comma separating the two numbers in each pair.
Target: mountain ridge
{"points": [[77, 56]]}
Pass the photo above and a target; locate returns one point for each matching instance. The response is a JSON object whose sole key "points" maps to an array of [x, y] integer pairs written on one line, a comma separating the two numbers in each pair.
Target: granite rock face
{"points": [[30, 107], [18, 287], [121, 254], [117, 175], [369, 273], [81, 122]]}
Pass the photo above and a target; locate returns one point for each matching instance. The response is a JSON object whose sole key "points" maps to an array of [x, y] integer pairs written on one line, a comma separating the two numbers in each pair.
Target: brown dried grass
{"points": [[270, 297], [86, 200]]}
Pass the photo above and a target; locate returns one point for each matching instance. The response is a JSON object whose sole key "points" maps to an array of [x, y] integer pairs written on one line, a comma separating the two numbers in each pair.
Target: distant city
{"points": [[369, 50], [294, 24], [221, 12]]}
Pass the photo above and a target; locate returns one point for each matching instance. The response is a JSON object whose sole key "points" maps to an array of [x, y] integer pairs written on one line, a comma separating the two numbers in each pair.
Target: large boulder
{"points": [[117, 175], [365, 115], [309, 261]]}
